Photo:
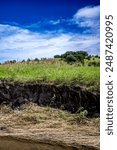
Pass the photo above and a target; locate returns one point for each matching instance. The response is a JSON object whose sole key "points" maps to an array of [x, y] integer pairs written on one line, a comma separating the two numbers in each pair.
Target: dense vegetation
{"points": [[80, 57]]}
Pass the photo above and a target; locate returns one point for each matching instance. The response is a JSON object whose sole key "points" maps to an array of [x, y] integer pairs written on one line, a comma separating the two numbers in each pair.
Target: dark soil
{"points": [[70, 98]]}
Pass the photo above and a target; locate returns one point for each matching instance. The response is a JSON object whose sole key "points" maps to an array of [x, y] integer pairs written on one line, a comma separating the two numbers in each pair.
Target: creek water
{"points": [[7, 143], [13, 144]]}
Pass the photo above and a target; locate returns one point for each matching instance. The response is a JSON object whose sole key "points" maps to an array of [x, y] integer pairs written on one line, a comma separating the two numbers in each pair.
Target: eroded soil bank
{"points": [[34, 127], [70, 98]]}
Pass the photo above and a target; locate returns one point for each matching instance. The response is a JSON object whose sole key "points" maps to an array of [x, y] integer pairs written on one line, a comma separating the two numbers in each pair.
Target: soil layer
{"points": [[70, 98]]}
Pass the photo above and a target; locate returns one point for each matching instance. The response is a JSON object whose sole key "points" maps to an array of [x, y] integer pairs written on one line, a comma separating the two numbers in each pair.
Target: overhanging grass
{"points": [[51, 73]]}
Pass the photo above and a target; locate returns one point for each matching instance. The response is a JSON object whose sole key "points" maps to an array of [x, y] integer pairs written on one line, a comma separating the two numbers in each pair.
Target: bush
{"points": [[88, 57], [43, 59], [94, 63], [70, 59]]}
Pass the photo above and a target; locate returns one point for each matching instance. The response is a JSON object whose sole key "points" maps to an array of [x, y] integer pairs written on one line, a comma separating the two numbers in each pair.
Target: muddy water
{"points": [[10, 144], [7, 143]]}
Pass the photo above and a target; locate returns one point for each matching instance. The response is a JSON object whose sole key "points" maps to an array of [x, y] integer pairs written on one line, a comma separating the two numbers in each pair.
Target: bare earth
{"points": [[43, 128]]}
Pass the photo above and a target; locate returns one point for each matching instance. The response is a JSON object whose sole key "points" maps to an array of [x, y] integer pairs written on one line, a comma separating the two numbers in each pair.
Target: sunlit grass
{"points": [[51, 73]]}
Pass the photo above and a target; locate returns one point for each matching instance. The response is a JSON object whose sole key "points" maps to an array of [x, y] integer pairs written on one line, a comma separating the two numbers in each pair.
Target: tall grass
{"points": [[54, 73]]}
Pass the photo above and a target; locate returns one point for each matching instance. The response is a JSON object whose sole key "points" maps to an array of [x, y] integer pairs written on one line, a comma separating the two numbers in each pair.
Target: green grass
{"points": [[52, 73]]}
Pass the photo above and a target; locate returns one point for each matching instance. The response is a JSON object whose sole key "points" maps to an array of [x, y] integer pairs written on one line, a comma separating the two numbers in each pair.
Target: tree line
{"points": [[71, 57]]}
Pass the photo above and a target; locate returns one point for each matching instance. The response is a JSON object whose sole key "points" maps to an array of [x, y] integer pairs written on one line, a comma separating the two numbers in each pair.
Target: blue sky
{"points": [[44, 28]]}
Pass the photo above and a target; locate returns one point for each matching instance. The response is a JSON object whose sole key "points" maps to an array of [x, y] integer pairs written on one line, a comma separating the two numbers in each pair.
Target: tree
{"points": [[28, 60], [57, 56], [75, 56], [36, 59], [23, 61]]}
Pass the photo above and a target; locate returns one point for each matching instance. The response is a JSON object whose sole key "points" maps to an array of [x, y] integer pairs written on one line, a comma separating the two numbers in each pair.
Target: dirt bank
{"points": [[48, 128], [70, 98], [36, 127]]}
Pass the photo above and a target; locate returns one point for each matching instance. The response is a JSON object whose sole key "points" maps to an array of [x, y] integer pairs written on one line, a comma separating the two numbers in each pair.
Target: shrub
{"points": [[70, 58], [94, 63]]}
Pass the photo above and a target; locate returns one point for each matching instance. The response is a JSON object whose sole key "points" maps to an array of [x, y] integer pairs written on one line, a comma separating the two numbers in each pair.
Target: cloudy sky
{"points": [[44, 28]]}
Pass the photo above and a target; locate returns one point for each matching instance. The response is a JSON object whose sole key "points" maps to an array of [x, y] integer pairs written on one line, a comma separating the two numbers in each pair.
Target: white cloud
{"points": [[18, 43], [88, 12], [54, 22], [87, 17], [40, 24]]}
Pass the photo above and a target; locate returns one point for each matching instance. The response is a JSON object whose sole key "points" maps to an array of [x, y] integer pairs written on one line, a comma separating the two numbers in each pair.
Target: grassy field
{"points": [[51, 73]]}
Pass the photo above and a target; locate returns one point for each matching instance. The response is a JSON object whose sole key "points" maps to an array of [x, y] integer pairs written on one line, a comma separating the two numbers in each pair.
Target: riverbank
{"points": [[44, 128], [46, 116]]}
